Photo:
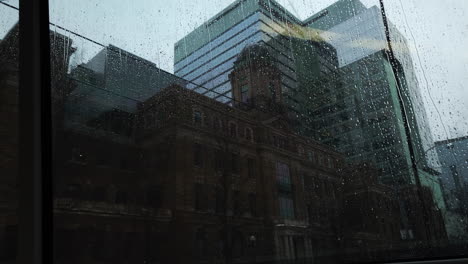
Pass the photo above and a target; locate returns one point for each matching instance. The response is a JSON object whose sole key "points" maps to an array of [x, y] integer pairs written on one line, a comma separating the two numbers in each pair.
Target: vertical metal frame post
{"points": [[35, 137]]}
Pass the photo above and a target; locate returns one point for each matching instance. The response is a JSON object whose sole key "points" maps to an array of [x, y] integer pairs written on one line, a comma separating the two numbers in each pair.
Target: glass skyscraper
{"points": [[336, 78], [362, 115], [360, 34], [206, 56]]}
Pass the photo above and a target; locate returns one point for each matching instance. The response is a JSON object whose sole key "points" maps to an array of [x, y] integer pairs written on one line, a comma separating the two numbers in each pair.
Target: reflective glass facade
{"points": [[368, 25], [208, 65], [357, 34]]}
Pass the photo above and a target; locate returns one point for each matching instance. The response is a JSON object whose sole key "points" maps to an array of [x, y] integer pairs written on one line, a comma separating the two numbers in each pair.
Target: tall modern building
{"points": [[206, 56], [373, 127], [358, 34], [336, 78]]}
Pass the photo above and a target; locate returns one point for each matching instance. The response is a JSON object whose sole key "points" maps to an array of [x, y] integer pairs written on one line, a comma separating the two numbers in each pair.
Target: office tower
{"points": [[363, 115], [336, 80], [357, 32], [205, 57]]}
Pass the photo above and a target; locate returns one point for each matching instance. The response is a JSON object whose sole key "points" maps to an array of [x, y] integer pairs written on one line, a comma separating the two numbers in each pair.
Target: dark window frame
{"points": [[35, 138]]}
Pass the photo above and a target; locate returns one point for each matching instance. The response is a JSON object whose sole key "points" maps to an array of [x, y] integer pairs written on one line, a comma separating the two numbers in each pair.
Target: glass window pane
{"points": [[237, 130]]}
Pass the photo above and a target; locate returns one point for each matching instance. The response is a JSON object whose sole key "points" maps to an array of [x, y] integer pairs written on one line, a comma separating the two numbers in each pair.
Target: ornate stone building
{"points": [[235, 176]]}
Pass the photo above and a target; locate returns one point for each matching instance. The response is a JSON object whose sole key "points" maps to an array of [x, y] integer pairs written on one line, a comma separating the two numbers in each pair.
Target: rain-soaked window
{"points": [[249, 131]]}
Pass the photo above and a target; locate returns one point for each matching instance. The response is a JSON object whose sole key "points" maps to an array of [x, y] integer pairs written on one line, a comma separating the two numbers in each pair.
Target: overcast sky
{"points": [[438, 30]]}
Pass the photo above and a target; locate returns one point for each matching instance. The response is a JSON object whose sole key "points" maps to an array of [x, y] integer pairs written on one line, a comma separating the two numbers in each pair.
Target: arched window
{"points": [[248, 134]]}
